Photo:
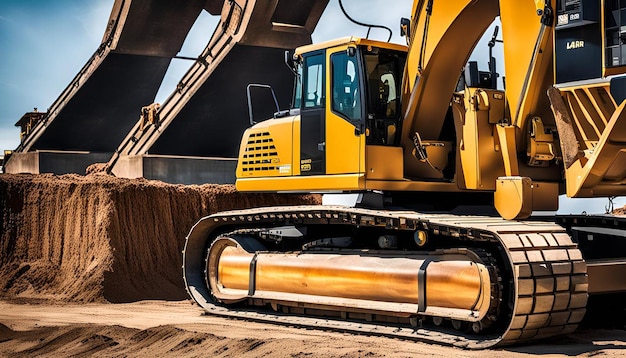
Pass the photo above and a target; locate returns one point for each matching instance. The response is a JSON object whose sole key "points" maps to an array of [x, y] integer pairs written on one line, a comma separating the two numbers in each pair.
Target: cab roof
{"points": [[347, 41]]}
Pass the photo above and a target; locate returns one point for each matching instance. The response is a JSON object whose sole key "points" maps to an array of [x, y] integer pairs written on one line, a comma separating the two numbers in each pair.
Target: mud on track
{"points": [[98, 238]]}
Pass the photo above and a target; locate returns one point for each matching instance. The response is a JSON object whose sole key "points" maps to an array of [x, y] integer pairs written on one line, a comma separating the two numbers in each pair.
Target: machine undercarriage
{"points": [[469, 281]]}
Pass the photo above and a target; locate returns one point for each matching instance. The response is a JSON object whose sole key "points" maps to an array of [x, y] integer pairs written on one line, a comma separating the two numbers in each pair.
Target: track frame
{"points": [[545, 275]]}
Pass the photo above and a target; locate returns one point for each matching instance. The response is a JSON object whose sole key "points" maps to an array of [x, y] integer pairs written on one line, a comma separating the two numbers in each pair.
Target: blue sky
{"points": [[44, 43]]}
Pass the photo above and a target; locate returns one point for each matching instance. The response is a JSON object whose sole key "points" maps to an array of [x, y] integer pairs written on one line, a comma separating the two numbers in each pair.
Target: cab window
{"points": [[297, 91], [383, 71], [314, 81], [384, 77], [346, 99]]}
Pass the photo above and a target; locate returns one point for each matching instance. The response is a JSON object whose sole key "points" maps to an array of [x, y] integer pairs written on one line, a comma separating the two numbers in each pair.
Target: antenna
{"points": [[369, 26]]}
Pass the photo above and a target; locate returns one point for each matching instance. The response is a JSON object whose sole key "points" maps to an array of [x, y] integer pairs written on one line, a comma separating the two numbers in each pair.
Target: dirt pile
{"points": [[619, 211], [96, 237]]}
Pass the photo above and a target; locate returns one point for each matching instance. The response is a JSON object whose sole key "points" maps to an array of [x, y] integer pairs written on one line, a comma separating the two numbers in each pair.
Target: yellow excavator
{"points": [[443, 170]]}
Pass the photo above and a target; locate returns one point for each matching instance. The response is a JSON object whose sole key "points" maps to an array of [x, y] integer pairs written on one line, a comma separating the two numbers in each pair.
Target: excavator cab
{"points": [[346, 99]]}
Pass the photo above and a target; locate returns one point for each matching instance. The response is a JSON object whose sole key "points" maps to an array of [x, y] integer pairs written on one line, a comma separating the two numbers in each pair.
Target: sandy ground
{"points": [[159, 328]]}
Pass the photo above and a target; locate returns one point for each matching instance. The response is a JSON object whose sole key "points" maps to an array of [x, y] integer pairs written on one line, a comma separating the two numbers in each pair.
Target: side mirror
{"points": [[289, 61], [405, 27], [264, 99]]}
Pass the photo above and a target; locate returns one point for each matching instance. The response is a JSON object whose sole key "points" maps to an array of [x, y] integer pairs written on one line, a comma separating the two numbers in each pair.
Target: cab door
{"points": [[312, 116], [345, 138]]}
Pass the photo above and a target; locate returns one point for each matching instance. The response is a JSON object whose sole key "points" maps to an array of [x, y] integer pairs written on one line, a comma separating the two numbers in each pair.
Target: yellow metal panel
{"points": [[514, 197], [295, 149], [242, 148], [344, 41], [383, 162], [443, 15], [506, 137], [265, 149], [438, 154], [517, 197], [528, 60], [345, 150], [480, 154], [313, 183]]}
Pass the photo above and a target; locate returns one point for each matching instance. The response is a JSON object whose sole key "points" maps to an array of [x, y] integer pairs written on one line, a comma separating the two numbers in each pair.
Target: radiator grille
{"points": [[260, 155]]}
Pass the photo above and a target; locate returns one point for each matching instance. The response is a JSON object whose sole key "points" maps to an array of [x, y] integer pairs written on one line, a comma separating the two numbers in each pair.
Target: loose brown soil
{"points": [[80, 256], [100, 238]]}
